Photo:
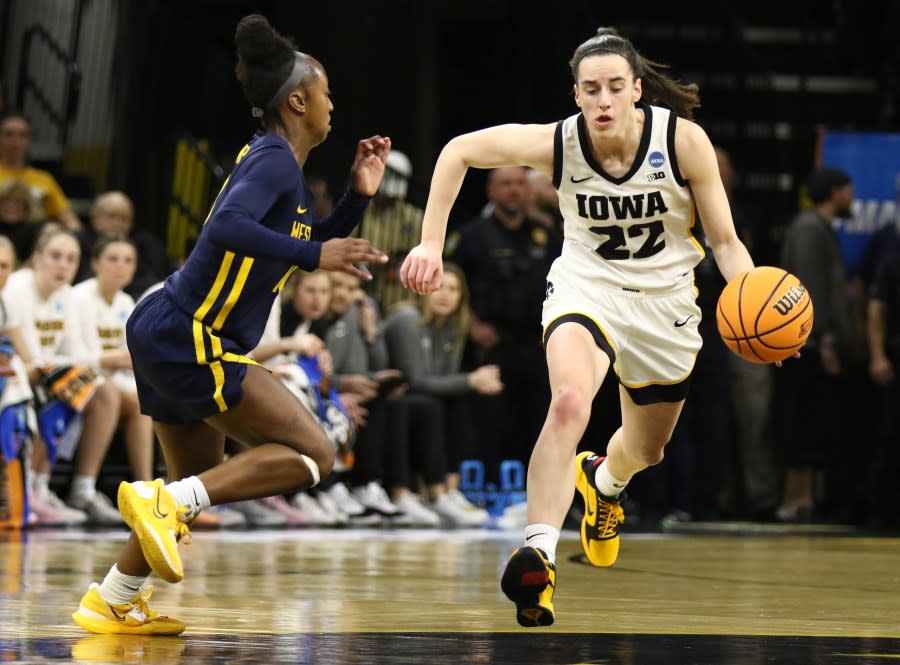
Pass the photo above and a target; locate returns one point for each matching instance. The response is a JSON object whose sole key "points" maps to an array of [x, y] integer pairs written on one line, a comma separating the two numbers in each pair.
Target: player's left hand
{"points": [[368, 165]]}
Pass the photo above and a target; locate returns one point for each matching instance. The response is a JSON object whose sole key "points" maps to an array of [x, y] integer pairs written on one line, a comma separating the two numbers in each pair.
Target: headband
{"points": [[292, 81]]}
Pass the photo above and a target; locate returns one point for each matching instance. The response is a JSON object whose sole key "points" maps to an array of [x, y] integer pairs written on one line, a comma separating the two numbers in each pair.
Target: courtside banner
{"points": [[873, 162]]}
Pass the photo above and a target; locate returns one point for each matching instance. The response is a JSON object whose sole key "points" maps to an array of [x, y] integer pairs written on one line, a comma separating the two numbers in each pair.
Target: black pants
{"points": [[885, 469], [809, 405], [370, 447], [416, 430]]}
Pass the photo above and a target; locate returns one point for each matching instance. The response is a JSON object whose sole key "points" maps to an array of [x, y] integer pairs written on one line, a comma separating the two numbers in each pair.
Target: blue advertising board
{"points": [[873, 161]]}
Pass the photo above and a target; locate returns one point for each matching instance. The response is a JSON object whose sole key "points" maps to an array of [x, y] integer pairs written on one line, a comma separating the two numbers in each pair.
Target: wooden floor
{"points": [[407, 596]]}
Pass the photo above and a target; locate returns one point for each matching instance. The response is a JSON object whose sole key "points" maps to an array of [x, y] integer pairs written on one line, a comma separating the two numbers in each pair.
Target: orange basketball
{"points": [[764, 315]]}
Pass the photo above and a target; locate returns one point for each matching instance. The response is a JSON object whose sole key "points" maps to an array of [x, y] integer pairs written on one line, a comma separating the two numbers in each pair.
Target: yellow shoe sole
{"points": [[164, 561], [108, 627]]}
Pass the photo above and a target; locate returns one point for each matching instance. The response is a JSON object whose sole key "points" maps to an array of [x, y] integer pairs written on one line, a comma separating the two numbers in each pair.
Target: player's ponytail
{"points": [[658, 87]]}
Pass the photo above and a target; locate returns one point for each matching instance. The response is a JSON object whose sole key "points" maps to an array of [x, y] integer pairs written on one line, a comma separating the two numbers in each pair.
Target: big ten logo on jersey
{"points": [[622, 208]]}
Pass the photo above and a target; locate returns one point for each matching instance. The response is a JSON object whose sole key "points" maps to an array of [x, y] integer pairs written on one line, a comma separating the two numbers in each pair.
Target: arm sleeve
{"points": [[235, 225], [404, 337], [347, 214]]}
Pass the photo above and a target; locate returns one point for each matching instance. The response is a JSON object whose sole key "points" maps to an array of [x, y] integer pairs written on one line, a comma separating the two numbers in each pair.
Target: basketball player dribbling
{"points": [[189, 340], [631, 177]]}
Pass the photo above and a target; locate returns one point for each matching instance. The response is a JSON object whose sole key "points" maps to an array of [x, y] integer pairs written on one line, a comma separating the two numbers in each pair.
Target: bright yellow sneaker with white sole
{"points": [[134, 618], [602, 515], [151, 512]]}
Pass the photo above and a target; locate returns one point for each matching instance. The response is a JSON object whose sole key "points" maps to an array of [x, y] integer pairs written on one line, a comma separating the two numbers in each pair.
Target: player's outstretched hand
{"points": [[368, 165], [423, 269], [345, 253]]}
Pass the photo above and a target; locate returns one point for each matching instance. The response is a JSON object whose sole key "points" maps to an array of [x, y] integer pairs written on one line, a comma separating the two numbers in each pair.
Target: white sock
{"points": [[84, 488], [608, 484], [40, 483], [544, 537], [118, 588], [189, 492]]}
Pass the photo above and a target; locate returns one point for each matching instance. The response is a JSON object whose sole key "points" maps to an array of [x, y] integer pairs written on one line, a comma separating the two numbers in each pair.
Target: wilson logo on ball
{"points": [[786, 303]]}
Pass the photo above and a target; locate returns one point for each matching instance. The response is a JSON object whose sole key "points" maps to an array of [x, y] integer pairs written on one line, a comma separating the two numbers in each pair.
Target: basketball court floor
{"points": [[411, 596]]}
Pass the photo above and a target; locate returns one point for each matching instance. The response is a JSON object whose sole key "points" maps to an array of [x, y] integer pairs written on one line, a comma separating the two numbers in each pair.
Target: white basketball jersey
{"points": [[103, 324], [634, 231]]}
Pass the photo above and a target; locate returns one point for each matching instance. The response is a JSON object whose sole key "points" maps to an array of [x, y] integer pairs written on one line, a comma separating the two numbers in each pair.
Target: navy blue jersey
{"points": [[260, 229]]}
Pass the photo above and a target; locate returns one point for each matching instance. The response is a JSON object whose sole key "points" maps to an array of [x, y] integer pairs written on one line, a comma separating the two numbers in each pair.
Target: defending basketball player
{"points": [[631, 176], [189, 340]]}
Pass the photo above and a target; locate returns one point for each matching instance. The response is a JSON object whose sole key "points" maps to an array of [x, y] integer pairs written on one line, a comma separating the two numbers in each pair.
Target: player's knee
{"points": [[650, 455], [325, 462], [321, 451], [107, 398], [570, 407]]}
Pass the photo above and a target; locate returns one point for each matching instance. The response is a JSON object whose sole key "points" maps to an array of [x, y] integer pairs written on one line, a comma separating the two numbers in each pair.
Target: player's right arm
{"points": [[494, 147], [235, 223]]}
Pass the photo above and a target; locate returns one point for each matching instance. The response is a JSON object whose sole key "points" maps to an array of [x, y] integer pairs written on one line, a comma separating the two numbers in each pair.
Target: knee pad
{"points": [[313, 469]]}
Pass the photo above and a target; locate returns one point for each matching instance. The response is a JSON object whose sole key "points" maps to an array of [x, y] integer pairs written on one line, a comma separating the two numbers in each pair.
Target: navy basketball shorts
{"points": [[183, 371]]}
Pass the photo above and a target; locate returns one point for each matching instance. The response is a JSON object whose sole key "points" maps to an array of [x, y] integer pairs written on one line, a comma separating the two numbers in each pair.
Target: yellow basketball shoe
{"points": [[134, 618], [602, 515], [151, 512], [529, 581]]}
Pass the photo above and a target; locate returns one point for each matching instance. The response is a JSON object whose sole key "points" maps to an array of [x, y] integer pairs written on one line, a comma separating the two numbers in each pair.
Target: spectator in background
{"points": [[543, 201], [48, 199], [15, 217], [15, 394], [752, 384], [393, 225], [360, 361], [112, 215], [426, 344], [809, 389], [310, 299], [323, 196], [41, 301], [103, 308], [505, 258], [884, 364]]}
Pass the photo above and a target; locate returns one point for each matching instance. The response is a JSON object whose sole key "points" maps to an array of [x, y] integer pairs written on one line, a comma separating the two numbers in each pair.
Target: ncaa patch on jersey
{"points": [[656, 159]]}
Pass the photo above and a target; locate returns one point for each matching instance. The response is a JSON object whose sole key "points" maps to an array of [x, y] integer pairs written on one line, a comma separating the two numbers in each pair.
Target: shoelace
{"points": [[182, 530], [140, 602], [611, 515]]}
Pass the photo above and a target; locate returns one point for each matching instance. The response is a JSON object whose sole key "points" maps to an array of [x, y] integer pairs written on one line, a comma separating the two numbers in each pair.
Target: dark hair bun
{"points": [[257, 42]]}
